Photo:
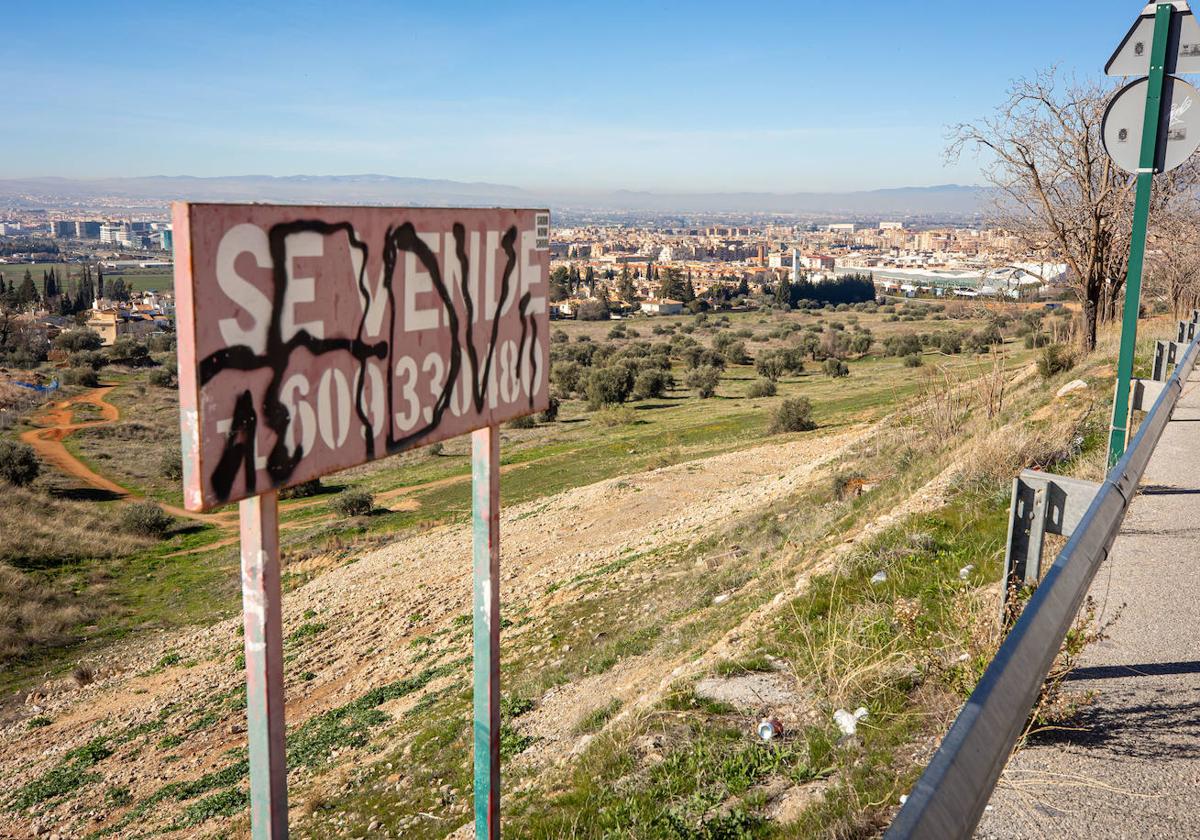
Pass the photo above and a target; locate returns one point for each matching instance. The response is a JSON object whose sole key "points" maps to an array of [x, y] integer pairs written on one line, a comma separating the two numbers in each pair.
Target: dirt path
{"points": [[56, 423]]}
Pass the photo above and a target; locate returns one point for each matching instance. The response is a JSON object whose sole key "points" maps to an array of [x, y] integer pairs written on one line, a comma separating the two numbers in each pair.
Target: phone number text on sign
{"points": [[312, 339]]}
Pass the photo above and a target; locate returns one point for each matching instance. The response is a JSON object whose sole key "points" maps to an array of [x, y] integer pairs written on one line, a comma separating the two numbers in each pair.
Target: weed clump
{"points": [[1055, 359], [146, 519], [704, 379], [18, 464], [615, 415], [794, 415], [83, 376], [303, 490], [354, 503], [761, 388]]}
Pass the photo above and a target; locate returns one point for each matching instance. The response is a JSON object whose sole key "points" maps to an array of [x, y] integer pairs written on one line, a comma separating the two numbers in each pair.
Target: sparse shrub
{"points": [[162, 378], [146, 519], [950, 343], [610, 385], [550, 413], [559, 337], [160, 343], [18, 463], [902, 344], [74, 340], [84, 377], [793, 415], [566, 375], [735, 353], [835, 368], [129, 351], [981, 340], [303, 490], [912, 360], [651, 384], [118, 797], [770, 365], [843, 482], [170, 466], [435, 450], [1055, 359], [87, 358], [83, 675], [614, 415], [761, 388], [525, 421], [353, 503], [705, 380], [594, 310]]}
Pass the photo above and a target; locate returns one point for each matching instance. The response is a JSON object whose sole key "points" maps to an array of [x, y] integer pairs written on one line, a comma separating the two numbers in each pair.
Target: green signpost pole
{"points": [[1137, 244]]}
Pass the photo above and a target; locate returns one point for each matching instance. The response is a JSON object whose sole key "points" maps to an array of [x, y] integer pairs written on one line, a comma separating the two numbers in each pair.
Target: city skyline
{"points": [[703, 106]]}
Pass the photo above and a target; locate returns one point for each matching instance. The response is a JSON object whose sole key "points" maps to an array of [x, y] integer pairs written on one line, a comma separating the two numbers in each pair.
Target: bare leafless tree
{"points": [[1058, 190], [1173, 255]]}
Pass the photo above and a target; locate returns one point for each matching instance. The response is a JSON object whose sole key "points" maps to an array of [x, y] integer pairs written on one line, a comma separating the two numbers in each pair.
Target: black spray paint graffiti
{"points": [[239, 450]]}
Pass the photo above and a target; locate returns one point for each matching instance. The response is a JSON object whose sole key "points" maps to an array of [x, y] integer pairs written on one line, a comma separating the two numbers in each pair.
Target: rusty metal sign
{"points": [[312, 339]]}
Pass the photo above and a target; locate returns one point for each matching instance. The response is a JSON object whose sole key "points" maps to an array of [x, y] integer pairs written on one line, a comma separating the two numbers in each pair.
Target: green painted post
{"points": [[1137, 244], [485, 481]]}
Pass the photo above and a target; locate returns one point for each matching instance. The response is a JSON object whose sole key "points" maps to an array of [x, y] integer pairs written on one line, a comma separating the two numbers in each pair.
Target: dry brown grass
{"points": [[35, 613], [40, 530]]}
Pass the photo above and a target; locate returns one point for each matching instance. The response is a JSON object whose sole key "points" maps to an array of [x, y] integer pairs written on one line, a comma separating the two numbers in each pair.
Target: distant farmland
{"points": [[140, 279]]}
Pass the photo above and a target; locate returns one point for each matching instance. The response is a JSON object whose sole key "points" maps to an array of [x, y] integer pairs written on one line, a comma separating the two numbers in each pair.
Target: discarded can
{"points": [[769, 729]]}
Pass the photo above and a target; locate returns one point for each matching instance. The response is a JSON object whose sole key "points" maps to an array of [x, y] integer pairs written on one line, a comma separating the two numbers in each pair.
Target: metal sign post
{"points": [[1137, 245], [485, 492], [262, 608], [313, 339]]}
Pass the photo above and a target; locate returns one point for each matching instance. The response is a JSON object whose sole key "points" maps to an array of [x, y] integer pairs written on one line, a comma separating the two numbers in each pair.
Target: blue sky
{"points": [[693, 96]]}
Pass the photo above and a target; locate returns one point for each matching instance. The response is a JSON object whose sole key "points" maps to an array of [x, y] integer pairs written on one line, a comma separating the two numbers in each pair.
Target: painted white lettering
{"points": [[299, 414], [374, 404], [436, 369], [418, 281], [407, 368], [300, 289], [333, 395], [238, 240], [374, 300]]}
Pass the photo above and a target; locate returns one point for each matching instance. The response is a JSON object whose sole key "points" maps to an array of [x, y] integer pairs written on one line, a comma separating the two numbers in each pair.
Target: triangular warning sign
{"points": [[1132, 58]]}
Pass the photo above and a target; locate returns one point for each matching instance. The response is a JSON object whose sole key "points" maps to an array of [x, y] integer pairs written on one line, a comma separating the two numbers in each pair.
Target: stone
{"points": [[1073, 385]]}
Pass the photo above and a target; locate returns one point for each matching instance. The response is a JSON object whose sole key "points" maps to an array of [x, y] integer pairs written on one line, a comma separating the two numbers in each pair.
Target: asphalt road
{"points": [[1132, 769]]}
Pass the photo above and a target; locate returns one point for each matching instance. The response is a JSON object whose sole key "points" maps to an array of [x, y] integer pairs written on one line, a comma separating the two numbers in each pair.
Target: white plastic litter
{"points": [[965, 571], [722, 598], [879, 577], [903, 798], [848, 722]]}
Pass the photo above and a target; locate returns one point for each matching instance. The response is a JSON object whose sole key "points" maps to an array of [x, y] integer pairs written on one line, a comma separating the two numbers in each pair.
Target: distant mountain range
{"points": [[947, 200]]}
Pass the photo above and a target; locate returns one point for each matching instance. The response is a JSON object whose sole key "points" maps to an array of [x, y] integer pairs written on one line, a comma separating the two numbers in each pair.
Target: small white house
{"points": [[662, 307]]}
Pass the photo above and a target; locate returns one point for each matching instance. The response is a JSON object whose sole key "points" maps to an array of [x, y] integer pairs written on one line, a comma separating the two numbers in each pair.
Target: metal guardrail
{"points": [[949, 798]]}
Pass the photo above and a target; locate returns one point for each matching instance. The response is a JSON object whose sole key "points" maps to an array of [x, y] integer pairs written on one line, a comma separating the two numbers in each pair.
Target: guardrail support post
{"points": [[1160, 361], [1042, 503]]}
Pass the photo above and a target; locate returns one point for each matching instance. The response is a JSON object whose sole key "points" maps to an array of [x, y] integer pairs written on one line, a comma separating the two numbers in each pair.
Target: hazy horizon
{"points": [[770, 98]]}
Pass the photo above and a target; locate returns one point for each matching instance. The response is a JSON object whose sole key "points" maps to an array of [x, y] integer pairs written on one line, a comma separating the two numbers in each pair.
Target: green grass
{"points": [[70, 774]]}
